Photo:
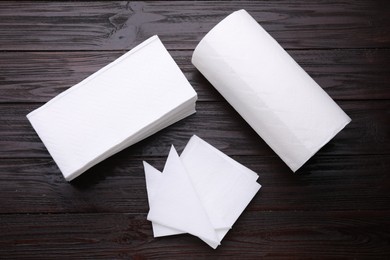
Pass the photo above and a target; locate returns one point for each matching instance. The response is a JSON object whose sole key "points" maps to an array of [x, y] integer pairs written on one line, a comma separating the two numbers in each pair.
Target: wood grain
{"points": [[336, 206], [181, 25], [123, 236], [324, 184], [39, 76], [218, 123]]}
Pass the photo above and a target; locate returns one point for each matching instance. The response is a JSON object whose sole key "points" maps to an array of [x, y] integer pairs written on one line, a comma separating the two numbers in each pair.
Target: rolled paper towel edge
{"points": [[322, 144], [212, 31], [316, 148]]}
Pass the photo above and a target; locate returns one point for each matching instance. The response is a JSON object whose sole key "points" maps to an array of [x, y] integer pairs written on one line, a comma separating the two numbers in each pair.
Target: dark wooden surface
{"points": [[337, 205]]}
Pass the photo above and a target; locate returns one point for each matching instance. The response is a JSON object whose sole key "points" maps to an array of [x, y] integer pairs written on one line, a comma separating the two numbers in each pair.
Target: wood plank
{"points": [[325, 183], [345, 234], [32, 25], [39, 76], [218, 123], [336, 206]]}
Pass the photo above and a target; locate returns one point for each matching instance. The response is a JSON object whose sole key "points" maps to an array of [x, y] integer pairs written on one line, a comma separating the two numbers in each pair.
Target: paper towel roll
{"points": [[277, 98]]}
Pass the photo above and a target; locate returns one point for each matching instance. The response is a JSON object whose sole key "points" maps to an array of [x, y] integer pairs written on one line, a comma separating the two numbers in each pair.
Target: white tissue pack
{"points": [[133, 97], [277, 98]]}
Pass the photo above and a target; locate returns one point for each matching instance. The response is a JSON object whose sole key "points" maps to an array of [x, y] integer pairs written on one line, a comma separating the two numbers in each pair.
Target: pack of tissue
{"points": [[202, 192], [133, 97]]}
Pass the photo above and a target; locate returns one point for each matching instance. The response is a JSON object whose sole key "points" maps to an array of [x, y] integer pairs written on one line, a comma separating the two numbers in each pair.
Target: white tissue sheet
{"points": [[176, 203], [153, 179], [224, 186], [277, 98], [202, 182], [128, 100]]}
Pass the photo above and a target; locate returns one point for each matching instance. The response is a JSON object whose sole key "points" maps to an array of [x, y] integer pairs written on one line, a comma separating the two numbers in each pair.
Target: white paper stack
{"points": [[277, 98], [202, 192], [128, 100]]}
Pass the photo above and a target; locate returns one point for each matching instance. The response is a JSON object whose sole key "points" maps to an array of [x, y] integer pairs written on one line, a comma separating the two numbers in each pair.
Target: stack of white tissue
{"points": [[202, 192], [128, 100]]}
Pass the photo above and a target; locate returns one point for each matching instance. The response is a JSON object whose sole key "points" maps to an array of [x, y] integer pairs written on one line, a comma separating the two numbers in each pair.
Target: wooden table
{"points": [[337, 205]]}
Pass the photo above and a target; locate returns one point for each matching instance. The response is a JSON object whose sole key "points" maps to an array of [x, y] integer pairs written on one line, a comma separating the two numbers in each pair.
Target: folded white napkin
{"points": [[128, 100], [277, 98], [201, 193], [224, 186], [176, 204]]}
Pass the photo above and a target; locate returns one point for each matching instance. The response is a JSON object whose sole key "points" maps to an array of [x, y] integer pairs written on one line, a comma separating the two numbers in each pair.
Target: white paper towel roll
{"points": [[277, 98]]}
